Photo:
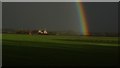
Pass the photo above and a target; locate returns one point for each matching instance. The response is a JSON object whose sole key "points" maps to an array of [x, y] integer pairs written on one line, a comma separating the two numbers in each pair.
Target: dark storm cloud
{"points": [[54, 16], [102, 17]]}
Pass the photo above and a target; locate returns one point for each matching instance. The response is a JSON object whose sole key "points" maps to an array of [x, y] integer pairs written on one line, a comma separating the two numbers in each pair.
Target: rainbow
{"points": [[82, 19]]}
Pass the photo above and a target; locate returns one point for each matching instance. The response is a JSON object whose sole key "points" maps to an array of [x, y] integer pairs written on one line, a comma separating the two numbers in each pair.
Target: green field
{"points": [[48, 50]]}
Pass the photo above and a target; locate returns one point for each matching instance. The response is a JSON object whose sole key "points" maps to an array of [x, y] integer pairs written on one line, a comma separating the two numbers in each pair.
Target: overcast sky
{"points": [[60, 0], [60, 16]]}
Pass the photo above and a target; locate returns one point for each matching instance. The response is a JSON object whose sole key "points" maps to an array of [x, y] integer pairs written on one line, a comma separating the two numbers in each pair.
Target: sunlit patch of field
{"points": [[59, 50]]}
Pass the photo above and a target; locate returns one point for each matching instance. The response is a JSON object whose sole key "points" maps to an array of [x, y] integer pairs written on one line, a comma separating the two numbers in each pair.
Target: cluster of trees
{"points": [[56, 33], [23, 31], [12, 31]]}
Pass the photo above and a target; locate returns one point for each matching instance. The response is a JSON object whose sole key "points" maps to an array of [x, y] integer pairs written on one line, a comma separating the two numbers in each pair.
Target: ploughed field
{"points": [[53, 50]]}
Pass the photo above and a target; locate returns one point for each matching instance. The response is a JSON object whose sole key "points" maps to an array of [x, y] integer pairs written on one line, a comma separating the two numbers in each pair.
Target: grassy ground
{"points": [[59, 50]]}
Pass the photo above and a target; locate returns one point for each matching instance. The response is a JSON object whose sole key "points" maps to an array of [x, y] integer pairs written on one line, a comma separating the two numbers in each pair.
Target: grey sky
{"points": [[101, 16], [60, 0]]}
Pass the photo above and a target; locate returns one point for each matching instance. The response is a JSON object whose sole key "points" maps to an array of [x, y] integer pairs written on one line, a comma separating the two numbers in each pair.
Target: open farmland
{"points": [[48, 50]]}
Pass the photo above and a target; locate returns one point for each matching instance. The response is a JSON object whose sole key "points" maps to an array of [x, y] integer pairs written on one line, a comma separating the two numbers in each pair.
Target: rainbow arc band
{"points": [[82, 19]]}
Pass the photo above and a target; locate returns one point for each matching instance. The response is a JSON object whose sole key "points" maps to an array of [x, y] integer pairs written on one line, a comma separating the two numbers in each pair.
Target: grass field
{"points": [[48, 50]]}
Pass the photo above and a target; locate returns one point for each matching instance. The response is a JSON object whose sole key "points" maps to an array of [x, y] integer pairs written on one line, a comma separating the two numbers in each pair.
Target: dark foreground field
{"points": [[36, 50]]}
